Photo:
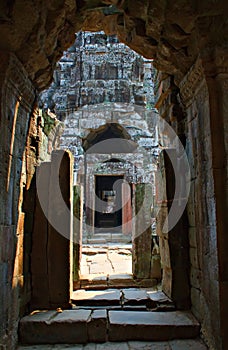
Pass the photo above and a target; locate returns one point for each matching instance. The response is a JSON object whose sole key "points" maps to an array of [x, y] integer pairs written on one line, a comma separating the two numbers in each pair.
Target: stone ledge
{"points": [[131, 325], [69, 326]]}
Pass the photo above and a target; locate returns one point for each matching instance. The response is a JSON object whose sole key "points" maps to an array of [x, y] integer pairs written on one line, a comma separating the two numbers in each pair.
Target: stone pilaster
{"points": [[142, 237], [174, 247]]}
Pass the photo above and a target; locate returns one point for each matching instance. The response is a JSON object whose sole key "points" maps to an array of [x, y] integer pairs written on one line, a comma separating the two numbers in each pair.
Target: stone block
{"points": [[133, 296], [51, 327], [96, 297], [138, 345], [37, 347], [135, 307], [141, 245], [40, 291], [133, 325], [146, 282], [164, 252], [59, 228], [8, 243], [192, 234], [195, 277], [196, 303], [159, 297], [112, 346], [33, 329], [121, 280], [97, 326], [156, 267], [188, 344], [167, 281], [194, 259], [161, 217], [69, 347]]}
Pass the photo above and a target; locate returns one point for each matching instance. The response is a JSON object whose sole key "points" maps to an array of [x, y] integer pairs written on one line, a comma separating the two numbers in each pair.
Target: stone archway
{"points": [[128, 162]]}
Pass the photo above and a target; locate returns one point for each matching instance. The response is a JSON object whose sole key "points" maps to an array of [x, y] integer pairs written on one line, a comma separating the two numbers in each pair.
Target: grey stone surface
{"points": [[149, 346], [159, 297], [90, 346], [96, 297], [71, 316], [113, 346], [36, 347], [134, 296], [183, 344], [68, 346], [188, 344], [69, 326], [97, 326], [133, 325]]}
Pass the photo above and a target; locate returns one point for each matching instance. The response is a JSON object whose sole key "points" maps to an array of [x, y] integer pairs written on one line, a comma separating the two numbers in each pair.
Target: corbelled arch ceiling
{"points": [[171, 32]]}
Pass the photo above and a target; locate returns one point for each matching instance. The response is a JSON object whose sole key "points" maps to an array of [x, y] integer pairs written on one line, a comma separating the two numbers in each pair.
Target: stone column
{"points": [[141, 244], [174, 247], [216, 72], [60, 229], [126, 210], [39, 260], [77, 232], [51, 259], [203, 92]]}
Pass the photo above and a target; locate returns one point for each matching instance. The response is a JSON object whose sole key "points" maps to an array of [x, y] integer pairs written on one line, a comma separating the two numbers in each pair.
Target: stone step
{"points": [[122, 297], [102, 238], [179, 344], [83, 326], [133, 325], [118, 281]]}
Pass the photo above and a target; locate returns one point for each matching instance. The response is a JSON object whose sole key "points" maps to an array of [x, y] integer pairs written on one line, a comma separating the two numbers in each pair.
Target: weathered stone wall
{"points": [[195, 128], [137, 124], [137, 128], [97, 69], [17, 96], [23, 146]]}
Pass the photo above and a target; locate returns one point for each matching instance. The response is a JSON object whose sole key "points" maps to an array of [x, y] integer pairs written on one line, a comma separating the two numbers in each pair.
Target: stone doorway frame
{"points": [[120, 216]]}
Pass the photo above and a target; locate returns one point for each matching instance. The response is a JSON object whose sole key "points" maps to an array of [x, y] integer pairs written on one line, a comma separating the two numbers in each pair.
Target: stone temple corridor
{"points": [[113, 177]]}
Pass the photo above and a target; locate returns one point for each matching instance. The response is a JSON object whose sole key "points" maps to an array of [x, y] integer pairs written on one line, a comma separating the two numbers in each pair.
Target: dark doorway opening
{"points": [[108, 204]]}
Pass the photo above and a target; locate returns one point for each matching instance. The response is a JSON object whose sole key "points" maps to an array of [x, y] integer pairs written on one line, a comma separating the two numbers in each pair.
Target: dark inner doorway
{"points": [[108, 213]]}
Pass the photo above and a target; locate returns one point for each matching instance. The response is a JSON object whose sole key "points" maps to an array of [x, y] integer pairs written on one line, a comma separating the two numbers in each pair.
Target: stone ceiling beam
{"points": [[173, 33]]}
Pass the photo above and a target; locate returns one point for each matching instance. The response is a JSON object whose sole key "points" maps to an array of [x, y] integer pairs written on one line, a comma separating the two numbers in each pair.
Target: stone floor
{"points": [[106, 259], [107, 316], [108, 265], [191, 344]]}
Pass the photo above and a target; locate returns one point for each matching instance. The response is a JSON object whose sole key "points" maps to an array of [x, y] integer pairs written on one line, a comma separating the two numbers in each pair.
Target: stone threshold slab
{"points": [[96, 297], [133, 325], [69, 326], [122, 296]]}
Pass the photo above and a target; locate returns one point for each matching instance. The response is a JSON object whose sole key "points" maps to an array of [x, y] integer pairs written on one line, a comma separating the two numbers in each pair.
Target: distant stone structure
{"points": [[99, 69], [103, 90]]}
